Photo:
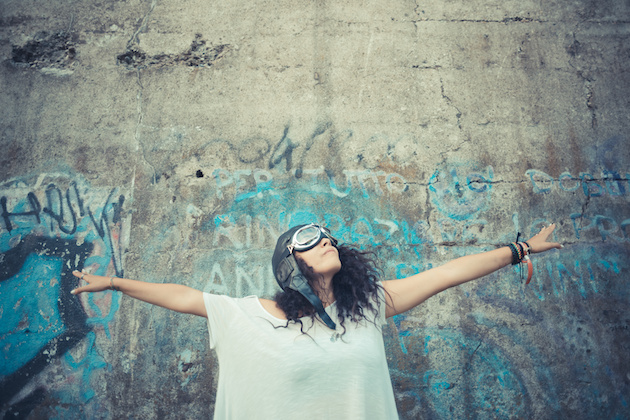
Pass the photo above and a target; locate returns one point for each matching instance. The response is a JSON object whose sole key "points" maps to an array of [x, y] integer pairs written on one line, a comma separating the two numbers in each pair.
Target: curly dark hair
{"points": [[355, 288]]}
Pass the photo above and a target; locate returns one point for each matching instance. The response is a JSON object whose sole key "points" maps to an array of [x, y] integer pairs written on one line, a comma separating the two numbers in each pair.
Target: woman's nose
{"points": [[325, 242]]}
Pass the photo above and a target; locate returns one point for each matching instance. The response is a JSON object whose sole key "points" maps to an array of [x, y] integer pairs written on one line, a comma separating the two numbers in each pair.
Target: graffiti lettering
{"points": [[460, 197], [607, 227], [246, 281], [260, 232], [246, 184], [611, 183], [36, 208], [62, 209], [285, 147], [565, 279]]}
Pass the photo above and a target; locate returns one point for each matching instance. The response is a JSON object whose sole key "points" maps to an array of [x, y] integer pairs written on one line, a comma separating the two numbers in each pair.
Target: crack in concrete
{"points": [[515, 19], [143, 26], [501, 181], [466, 367], [450, 103], [590, 103], [613, 179], [139, 119], [574, 51], [416, 9], [132, 45], [140, 115], [419, 67], [520, 20], [584, 206]]}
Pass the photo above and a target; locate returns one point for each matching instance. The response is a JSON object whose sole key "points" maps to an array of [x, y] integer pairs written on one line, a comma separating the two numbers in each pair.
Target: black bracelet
{"points": [[515, 259]]}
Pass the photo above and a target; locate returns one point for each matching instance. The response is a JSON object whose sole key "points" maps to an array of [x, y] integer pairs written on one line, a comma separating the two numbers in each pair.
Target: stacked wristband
{"points": [[517, 252], [520, 254]]}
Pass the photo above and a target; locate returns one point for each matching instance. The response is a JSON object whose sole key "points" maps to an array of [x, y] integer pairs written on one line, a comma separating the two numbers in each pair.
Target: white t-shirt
{"points": [[280, 373]]}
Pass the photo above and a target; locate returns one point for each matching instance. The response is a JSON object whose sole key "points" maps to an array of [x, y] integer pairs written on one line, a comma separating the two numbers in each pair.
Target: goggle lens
{"points": [[309, 236]]}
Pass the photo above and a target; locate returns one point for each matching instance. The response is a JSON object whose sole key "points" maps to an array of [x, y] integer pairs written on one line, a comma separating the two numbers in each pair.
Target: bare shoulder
{"points": [[272, 307]]}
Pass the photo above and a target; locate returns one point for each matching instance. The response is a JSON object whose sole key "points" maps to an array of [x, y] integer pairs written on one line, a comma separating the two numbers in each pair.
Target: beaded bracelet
{"points": [[111, 285], [521, 252], [515, 257]]}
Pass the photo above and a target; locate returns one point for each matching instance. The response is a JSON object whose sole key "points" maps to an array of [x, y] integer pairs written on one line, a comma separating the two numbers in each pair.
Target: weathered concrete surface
{"points": [[172, 141]]}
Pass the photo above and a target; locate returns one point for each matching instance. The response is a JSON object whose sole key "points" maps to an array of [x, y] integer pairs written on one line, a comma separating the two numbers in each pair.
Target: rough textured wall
{"points": [[172, 142]]}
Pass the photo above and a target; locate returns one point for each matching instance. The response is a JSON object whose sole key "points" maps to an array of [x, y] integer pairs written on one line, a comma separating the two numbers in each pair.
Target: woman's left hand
{"points": [[539, 243]]}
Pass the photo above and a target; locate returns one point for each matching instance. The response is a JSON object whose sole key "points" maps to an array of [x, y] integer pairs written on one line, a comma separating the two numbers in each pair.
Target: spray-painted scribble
{"points": [[52, 225], [63, 211], [461, 194]]}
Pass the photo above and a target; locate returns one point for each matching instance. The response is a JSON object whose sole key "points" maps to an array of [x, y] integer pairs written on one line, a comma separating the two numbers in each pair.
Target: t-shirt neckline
{"points": [[260, 305]]}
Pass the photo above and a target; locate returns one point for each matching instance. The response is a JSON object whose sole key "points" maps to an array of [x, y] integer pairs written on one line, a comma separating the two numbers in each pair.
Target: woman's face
{"points": [[323, 258]]}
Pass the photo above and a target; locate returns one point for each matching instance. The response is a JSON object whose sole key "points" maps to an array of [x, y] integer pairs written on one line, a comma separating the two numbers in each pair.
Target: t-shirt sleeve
{"points": [[381, 318], [220, 310]]}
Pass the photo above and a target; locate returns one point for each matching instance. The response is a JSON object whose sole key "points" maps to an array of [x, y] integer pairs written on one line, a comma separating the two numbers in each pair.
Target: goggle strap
{"points": [[299, 284]]}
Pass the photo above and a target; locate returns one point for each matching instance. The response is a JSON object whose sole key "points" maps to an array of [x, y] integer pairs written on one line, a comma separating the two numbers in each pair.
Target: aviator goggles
{"points": [[308, 236]]}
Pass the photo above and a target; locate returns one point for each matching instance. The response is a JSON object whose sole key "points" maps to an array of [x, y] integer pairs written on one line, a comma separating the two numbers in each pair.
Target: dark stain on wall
{"points": [[200, 54], [46, 50]]}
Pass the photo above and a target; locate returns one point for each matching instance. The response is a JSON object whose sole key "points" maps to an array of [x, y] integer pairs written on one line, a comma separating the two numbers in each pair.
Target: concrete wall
{"points": [[172, 141]]}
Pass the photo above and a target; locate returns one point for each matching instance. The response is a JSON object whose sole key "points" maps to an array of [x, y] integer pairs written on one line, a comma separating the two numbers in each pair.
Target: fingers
{"points": [[77, 290], [539, 241], [547, 230], [77, 273], [82, 275]]}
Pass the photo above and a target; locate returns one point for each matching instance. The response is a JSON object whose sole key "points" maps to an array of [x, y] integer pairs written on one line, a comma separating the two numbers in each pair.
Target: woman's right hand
{"points": [[95, 283], [175, 297]]}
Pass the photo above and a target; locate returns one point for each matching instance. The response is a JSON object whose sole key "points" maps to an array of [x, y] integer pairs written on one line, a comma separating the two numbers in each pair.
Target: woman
{"points": [[316, 350]]}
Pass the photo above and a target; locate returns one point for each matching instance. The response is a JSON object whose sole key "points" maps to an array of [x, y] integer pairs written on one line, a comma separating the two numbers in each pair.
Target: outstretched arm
{"points": [[409, 292], [175, 297]]}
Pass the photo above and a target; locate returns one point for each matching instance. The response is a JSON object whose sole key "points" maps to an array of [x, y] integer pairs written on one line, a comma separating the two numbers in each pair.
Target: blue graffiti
{"points": [[44, 240], [46, 320], [458, 195], [26, 331], [610, 183], [606, 227], [466, 361]]}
